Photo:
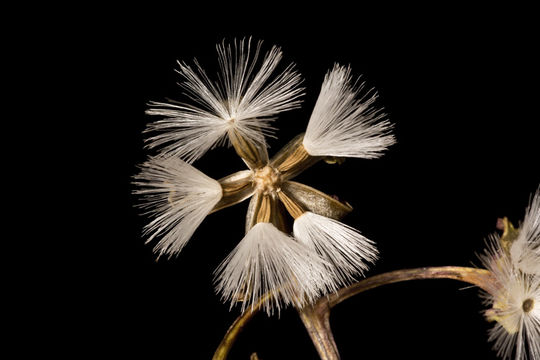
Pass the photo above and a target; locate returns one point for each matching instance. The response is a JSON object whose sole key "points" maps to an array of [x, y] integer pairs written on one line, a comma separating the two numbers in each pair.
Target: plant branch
{"points": [[474, 276], [230, 337], [316, 317], [237, 326]]}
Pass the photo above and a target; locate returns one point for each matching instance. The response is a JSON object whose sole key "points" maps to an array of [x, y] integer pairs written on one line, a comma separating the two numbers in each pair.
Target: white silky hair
{"points": [[517, 334], [243, 100], [270, 265], [344, 122], [525, 250], [178, 196], [344, 248]]}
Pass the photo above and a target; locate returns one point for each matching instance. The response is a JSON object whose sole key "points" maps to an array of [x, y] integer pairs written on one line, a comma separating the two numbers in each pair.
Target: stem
{"points": [[316, 318], [479, 277], [230, 337]]}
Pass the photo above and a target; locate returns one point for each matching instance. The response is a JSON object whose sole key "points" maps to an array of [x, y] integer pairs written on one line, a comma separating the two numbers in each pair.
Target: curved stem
{"points": [[230, 337], [474, 276], [316, 317]]}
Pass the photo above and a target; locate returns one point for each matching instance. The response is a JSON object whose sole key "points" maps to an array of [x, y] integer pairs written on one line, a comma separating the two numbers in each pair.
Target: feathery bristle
{"points": [[178, 196], [515, 300], [525, 250], [343, 247], [345, 123], [269, 263], [242, 101]]}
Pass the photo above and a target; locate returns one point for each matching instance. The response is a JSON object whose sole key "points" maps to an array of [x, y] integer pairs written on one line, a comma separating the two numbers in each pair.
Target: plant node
{"points": [[267, 180]]}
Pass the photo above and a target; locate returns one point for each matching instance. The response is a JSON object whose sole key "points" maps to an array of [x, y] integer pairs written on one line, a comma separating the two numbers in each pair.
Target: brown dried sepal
{"points": [[292, 207], [310, 199], [236, 188], [293, 159], [509, 235], [254, 155], [266, 208]]}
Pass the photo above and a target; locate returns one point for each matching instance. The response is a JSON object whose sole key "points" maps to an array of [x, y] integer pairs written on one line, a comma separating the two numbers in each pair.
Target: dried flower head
{"points": [[515, 306], [240, 105], [345, 249], [268, 259], [514, 293], [178, 196], [268, 264], [344, 122]]}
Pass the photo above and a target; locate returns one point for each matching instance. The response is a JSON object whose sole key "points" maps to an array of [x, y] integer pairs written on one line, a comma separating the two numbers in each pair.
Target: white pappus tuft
{"points": [[525, 250], [178, 196], [243, 101], [345, 124], [268, 264], [343, 247], [514, 297]]}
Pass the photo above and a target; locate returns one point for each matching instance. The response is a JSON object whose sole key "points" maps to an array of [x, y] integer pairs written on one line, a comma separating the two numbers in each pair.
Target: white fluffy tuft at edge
{"points": [[243, 101], [343, 247], [525, 250], [516, 333], [178, 196], [268, 264], [344, 124]]}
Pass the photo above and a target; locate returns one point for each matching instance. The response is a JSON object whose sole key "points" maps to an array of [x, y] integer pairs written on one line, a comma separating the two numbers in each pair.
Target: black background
{"points": [[460, 85]]}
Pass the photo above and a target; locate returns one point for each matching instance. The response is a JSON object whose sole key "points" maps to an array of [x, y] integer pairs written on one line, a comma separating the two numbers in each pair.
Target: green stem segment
{"points": [[316, 318]]}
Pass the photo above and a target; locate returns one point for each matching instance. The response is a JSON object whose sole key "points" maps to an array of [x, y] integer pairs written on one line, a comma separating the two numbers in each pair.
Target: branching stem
{"points": [[316, 318]]}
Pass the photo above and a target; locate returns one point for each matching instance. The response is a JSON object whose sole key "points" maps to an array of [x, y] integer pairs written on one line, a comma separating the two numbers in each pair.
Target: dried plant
{"points": [[316, 263]]}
